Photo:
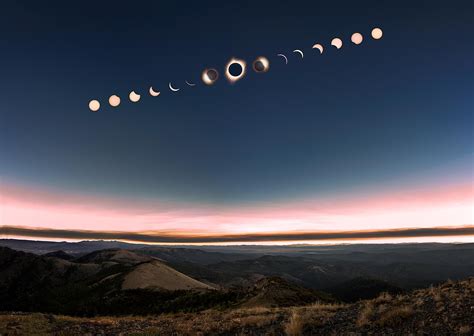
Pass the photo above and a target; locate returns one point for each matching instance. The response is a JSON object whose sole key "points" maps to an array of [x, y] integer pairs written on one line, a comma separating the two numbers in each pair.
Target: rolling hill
{"points": [[47, 283]]}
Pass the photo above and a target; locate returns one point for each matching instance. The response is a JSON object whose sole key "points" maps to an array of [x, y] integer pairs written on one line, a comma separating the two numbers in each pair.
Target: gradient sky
{"points": [[371, 137]]}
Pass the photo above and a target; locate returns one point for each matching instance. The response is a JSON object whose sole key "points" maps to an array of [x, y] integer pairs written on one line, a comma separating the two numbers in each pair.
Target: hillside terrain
{"points": [[344, 290], [156, 274], [93, 283], [447, 309], [116, 281], [379, 267]]}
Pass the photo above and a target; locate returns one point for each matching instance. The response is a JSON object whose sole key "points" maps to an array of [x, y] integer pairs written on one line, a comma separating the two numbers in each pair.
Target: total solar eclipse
{"points": [[235, 70]]}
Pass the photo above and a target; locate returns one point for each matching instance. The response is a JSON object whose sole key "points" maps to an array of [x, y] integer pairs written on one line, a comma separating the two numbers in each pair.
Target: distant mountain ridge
{"points": [[74, 248], [59, 254], [369, 269], [117, 281]]}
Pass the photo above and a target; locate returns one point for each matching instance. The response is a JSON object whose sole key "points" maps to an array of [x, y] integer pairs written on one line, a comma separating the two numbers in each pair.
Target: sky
{"points": [[374, 138]]}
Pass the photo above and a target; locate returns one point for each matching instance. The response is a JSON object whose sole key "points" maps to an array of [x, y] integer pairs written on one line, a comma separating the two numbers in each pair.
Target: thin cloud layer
{"points": [[160, 237]]}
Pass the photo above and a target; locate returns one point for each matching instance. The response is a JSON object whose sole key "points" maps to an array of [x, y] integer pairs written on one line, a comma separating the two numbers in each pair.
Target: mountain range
{"points": [[67, 277]]}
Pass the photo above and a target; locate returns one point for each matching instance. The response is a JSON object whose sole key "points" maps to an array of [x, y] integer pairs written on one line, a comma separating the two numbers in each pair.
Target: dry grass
{"points": [[295, 324], [419, 302], [366, 314], [384, 313], [471, 284], [326, 306], [215, 321], [382, 308], [401, 297], [435, 293], [32, 324], [437, 297], [316, 314], [464, 330], [395, 316], [148, 332], [252, 311], [383, 298], [257, 320], [257, 316]]}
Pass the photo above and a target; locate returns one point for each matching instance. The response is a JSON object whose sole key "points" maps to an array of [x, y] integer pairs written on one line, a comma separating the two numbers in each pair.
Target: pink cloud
{"points": [[451, 205]]}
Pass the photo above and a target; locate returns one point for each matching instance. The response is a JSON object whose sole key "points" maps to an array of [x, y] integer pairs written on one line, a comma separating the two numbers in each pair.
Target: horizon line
{"points": [[167, 238]]}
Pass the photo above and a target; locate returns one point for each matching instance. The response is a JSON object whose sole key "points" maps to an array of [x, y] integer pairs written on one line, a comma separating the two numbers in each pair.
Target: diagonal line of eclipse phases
{"points": [[210, 76]]}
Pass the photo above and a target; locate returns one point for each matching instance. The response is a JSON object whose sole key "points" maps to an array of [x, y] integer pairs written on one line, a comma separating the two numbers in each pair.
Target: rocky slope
{"points": [[447, 309]]}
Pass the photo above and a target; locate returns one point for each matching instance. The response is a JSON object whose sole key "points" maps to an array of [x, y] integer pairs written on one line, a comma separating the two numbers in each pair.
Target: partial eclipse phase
{"points": [[261, 64], [319, 47], [209, 76], [134, 97], [153, 93], [284, 57], [336, 42], [298, 51], [172, 88]]}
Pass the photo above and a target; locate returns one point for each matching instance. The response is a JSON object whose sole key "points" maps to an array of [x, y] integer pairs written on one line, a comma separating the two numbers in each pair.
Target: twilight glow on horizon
{"points": [[369, 140], [429, 208]]}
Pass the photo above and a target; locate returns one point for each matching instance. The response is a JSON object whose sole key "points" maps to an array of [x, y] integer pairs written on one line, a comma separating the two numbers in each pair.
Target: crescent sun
{"points": [[172, 88], [299, 52], [319, 47], [153, 92], [190, 84], [286, 59]]}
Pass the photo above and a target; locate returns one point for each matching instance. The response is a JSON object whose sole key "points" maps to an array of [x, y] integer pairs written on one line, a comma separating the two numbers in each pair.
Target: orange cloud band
{"points": [[165, 237]]}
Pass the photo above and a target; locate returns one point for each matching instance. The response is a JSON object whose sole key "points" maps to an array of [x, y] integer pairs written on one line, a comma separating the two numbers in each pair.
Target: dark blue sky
{"points": [[398, 110]]}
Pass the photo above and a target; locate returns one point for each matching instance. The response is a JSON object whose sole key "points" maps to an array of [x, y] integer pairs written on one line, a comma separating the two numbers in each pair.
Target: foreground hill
{"points": [[444, 310]]}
